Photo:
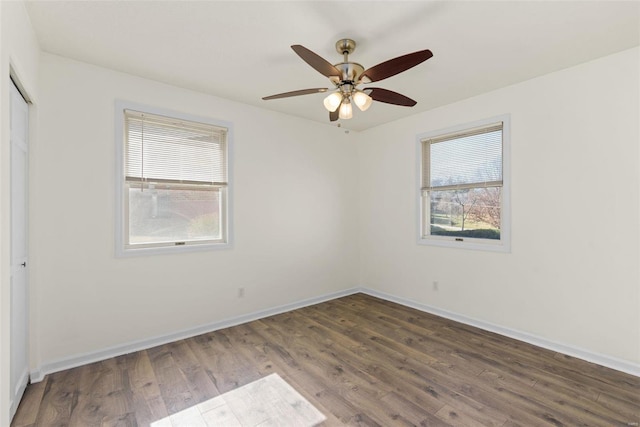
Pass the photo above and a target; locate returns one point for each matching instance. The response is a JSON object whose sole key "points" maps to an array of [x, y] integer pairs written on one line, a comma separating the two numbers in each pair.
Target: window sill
{"points": [[167, 250], [469, 244]]}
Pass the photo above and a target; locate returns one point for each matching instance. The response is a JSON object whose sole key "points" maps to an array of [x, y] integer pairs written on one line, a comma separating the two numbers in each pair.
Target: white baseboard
{"points": [[600, 359], [38, 374]]}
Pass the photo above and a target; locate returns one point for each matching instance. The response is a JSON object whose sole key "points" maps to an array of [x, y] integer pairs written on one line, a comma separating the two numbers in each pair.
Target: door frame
{"points": [[17, 390]]}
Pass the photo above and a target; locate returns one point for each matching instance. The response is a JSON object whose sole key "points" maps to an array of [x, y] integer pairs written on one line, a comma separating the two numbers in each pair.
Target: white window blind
{"points": [[470, 159], [161, 149]]}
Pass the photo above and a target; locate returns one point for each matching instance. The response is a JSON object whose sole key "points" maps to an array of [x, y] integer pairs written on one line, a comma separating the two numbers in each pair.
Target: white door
{"points": [[19, 291]]}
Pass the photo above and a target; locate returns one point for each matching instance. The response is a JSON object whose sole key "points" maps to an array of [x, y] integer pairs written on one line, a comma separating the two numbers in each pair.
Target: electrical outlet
{"points": [[435, 285], [240, 292]]}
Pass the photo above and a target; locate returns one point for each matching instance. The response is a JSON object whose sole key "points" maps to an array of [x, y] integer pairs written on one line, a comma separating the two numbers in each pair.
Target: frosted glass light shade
{"points": [[362, 100], [346, 111], [332, 102]]}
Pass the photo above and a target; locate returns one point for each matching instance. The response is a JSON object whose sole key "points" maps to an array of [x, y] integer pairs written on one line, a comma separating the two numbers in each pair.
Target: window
{"points": [[464, 186], [173, 181]]}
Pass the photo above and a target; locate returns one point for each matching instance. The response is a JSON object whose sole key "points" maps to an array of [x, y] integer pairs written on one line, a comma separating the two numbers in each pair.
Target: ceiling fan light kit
{"points": [[333, 101], [362, 100], [346, 111], [346, 76]]}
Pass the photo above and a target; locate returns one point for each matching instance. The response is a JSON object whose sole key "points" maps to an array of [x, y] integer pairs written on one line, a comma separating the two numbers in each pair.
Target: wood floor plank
{"points": [[578, 408], [627, 410], [359, 360], [361, 357], [420, 374], [200, 384], [256, 346], [247, 345], [226, 368], [540, 413], [356, 384], [337, 384], [537, 362], [28, 410], [533, 364], [96, 381], [146, 395], [321, 395], [174, 388], [59, 399], [584, 404]]}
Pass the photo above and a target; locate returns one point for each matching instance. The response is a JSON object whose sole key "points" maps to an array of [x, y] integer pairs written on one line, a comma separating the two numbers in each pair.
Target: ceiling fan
{"points": [[346, 76]]}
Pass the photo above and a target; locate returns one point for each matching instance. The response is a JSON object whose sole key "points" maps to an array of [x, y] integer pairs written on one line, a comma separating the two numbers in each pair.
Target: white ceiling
{"points": [[239, 50]]}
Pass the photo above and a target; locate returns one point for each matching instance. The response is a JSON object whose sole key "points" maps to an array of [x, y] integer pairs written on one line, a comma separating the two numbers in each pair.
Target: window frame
{"points": [[471, 243], [122, 187]]}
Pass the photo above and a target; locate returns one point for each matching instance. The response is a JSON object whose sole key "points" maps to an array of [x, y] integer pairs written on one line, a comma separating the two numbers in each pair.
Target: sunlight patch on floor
{"points": [[269, 401]]}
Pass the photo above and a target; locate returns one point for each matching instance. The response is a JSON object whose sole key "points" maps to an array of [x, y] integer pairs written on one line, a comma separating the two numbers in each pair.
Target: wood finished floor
{"points": [[360, 361]]}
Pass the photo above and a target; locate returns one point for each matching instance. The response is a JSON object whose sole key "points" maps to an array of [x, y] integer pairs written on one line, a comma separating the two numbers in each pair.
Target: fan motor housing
{"points": [[351, 72]]}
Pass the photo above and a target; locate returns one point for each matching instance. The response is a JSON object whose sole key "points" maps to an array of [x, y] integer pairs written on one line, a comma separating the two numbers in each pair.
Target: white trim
{"points": [[504, 244], [120, 251], [38, 374], [16, 87], [580, 353]]}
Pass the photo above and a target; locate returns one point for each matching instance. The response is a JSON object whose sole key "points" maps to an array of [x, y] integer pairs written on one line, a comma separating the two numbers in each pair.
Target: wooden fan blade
{"points": [[296, 93], [390, 97], [395, 66], [320, 64], [333, 115]]}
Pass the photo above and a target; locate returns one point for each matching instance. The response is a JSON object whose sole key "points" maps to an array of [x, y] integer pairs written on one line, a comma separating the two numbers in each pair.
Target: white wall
{"points": [[572, 276], [19, 52], [295, 229]]}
